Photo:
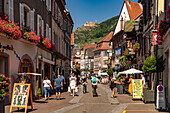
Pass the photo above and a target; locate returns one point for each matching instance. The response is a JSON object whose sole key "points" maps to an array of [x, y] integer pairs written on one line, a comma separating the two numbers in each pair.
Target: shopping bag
{"points": [[76, 89], [69, 89]]}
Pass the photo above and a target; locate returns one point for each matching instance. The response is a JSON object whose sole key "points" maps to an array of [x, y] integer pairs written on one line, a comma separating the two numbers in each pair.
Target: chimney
{"points": [[122, 28], [95, 21], [72, 39]]}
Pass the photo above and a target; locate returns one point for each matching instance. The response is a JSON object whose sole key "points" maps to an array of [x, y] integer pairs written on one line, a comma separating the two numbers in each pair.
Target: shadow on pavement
{"points": [[40, 101], [62, 98], [23, 110]]}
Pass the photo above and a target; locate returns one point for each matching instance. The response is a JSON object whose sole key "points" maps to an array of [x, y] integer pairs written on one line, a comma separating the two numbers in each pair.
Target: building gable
{"points": [[123, 15]]}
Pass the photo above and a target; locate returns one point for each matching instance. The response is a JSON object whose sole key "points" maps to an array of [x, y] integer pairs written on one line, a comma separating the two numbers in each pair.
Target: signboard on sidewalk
{"points": [[160, 100], [137, 88], [20, 96]]}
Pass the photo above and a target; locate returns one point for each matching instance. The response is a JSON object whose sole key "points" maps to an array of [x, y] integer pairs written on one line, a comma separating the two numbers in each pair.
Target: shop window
{"points": [[25, 69]]}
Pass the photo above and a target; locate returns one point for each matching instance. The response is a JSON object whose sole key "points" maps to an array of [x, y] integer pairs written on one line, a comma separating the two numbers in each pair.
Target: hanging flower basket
{"points": [[10, 29], [126, 52], [46, 43], [31, 36], [53, 48], [163, 26], [4, 86], [136, 47]]}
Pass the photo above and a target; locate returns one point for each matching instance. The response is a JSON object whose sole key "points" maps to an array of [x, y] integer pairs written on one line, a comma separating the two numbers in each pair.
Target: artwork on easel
{"points": [[20, 96]]}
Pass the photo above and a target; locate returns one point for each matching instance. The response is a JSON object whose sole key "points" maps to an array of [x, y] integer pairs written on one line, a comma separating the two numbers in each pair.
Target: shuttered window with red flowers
{"points": [[1, 7]]}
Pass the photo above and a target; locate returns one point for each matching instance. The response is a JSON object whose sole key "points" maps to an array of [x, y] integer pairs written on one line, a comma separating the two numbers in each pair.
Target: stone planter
{"points": [[148, 95], [2, 106]]}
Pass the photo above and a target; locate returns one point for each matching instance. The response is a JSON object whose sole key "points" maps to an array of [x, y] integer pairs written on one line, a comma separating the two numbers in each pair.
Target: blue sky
{"points": [[89, 10]]}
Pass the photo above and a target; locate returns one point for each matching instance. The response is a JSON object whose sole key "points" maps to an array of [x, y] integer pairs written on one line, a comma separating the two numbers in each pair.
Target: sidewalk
{"points": [[42, 106], [134, 106]]}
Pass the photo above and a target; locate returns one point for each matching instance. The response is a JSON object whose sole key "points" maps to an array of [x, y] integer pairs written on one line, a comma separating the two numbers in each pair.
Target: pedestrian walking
{"points": [[94, 81], [63, 80], [130, 85], [58, 86], [73, 82], [47, 85], [84, 83], [113, 86]]}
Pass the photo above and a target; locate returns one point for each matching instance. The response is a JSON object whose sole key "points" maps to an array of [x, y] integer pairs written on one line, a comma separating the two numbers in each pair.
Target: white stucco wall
{"points": [[124, 13]]}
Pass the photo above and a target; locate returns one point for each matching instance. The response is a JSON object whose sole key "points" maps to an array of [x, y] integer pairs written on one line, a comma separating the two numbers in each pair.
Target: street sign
{"points": [[160, 100]]}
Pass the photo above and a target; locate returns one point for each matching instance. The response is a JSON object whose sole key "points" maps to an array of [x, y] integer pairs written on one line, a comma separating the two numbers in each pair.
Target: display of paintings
{"points": [[20, 95]]}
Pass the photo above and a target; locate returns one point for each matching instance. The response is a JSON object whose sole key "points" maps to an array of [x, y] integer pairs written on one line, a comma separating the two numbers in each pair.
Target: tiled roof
{"points": [[87, 46], [102, 48], [134, 9], [107, 38], [72, 39], [129, 25]]}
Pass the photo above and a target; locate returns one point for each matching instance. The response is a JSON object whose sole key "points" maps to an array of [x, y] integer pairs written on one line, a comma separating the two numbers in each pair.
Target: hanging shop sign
{"points": [[157, 38], [137, 88], [160, 100]]}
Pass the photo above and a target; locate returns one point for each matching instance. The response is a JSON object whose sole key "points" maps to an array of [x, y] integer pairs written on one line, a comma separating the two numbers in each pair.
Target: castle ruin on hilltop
{"points": [[91, 24]]}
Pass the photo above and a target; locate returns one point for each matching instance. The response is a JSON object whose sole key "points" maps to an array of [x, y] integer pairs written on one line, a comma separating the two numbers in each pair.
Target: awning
{"points": [[131, 71], [37, 74], [46, 60]]}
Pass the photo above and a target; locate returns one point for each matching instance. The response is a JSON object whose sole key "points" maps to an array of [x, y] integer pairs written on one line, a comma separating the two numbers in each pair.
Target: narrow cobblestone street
{"points": [[89, 104], [86, 103]]}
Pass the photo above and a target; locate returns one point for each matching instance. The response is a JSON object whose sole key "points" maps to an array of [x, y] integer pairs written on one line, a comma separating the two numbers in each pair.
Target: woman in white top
{"points": [[47, 85], [73, 82]]}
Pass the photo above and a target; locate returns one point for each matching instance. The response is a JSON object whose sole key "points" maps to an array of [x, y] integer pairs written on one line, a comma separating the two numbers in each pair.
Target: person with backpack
{"points": [[73, 82], [84, 83], [94, 85]]}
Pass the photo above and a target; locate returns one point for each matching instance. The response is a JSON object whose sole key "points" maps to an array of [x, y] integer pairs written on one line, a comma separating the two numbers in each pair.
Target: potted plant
{"points": [[4, 89], [149, 95], [39, 93]]}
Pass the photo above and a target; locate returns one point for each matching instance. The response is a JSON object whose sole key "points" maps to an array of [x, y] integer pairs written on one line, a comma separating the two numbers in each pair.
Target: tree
{"points": [[150, 64], [110, 71]]}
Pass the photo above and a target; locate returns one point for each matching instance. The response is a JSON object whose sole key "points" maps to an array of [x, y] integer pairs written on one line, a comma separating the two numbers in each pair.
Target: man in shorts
{"points": [[58, 85]]}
